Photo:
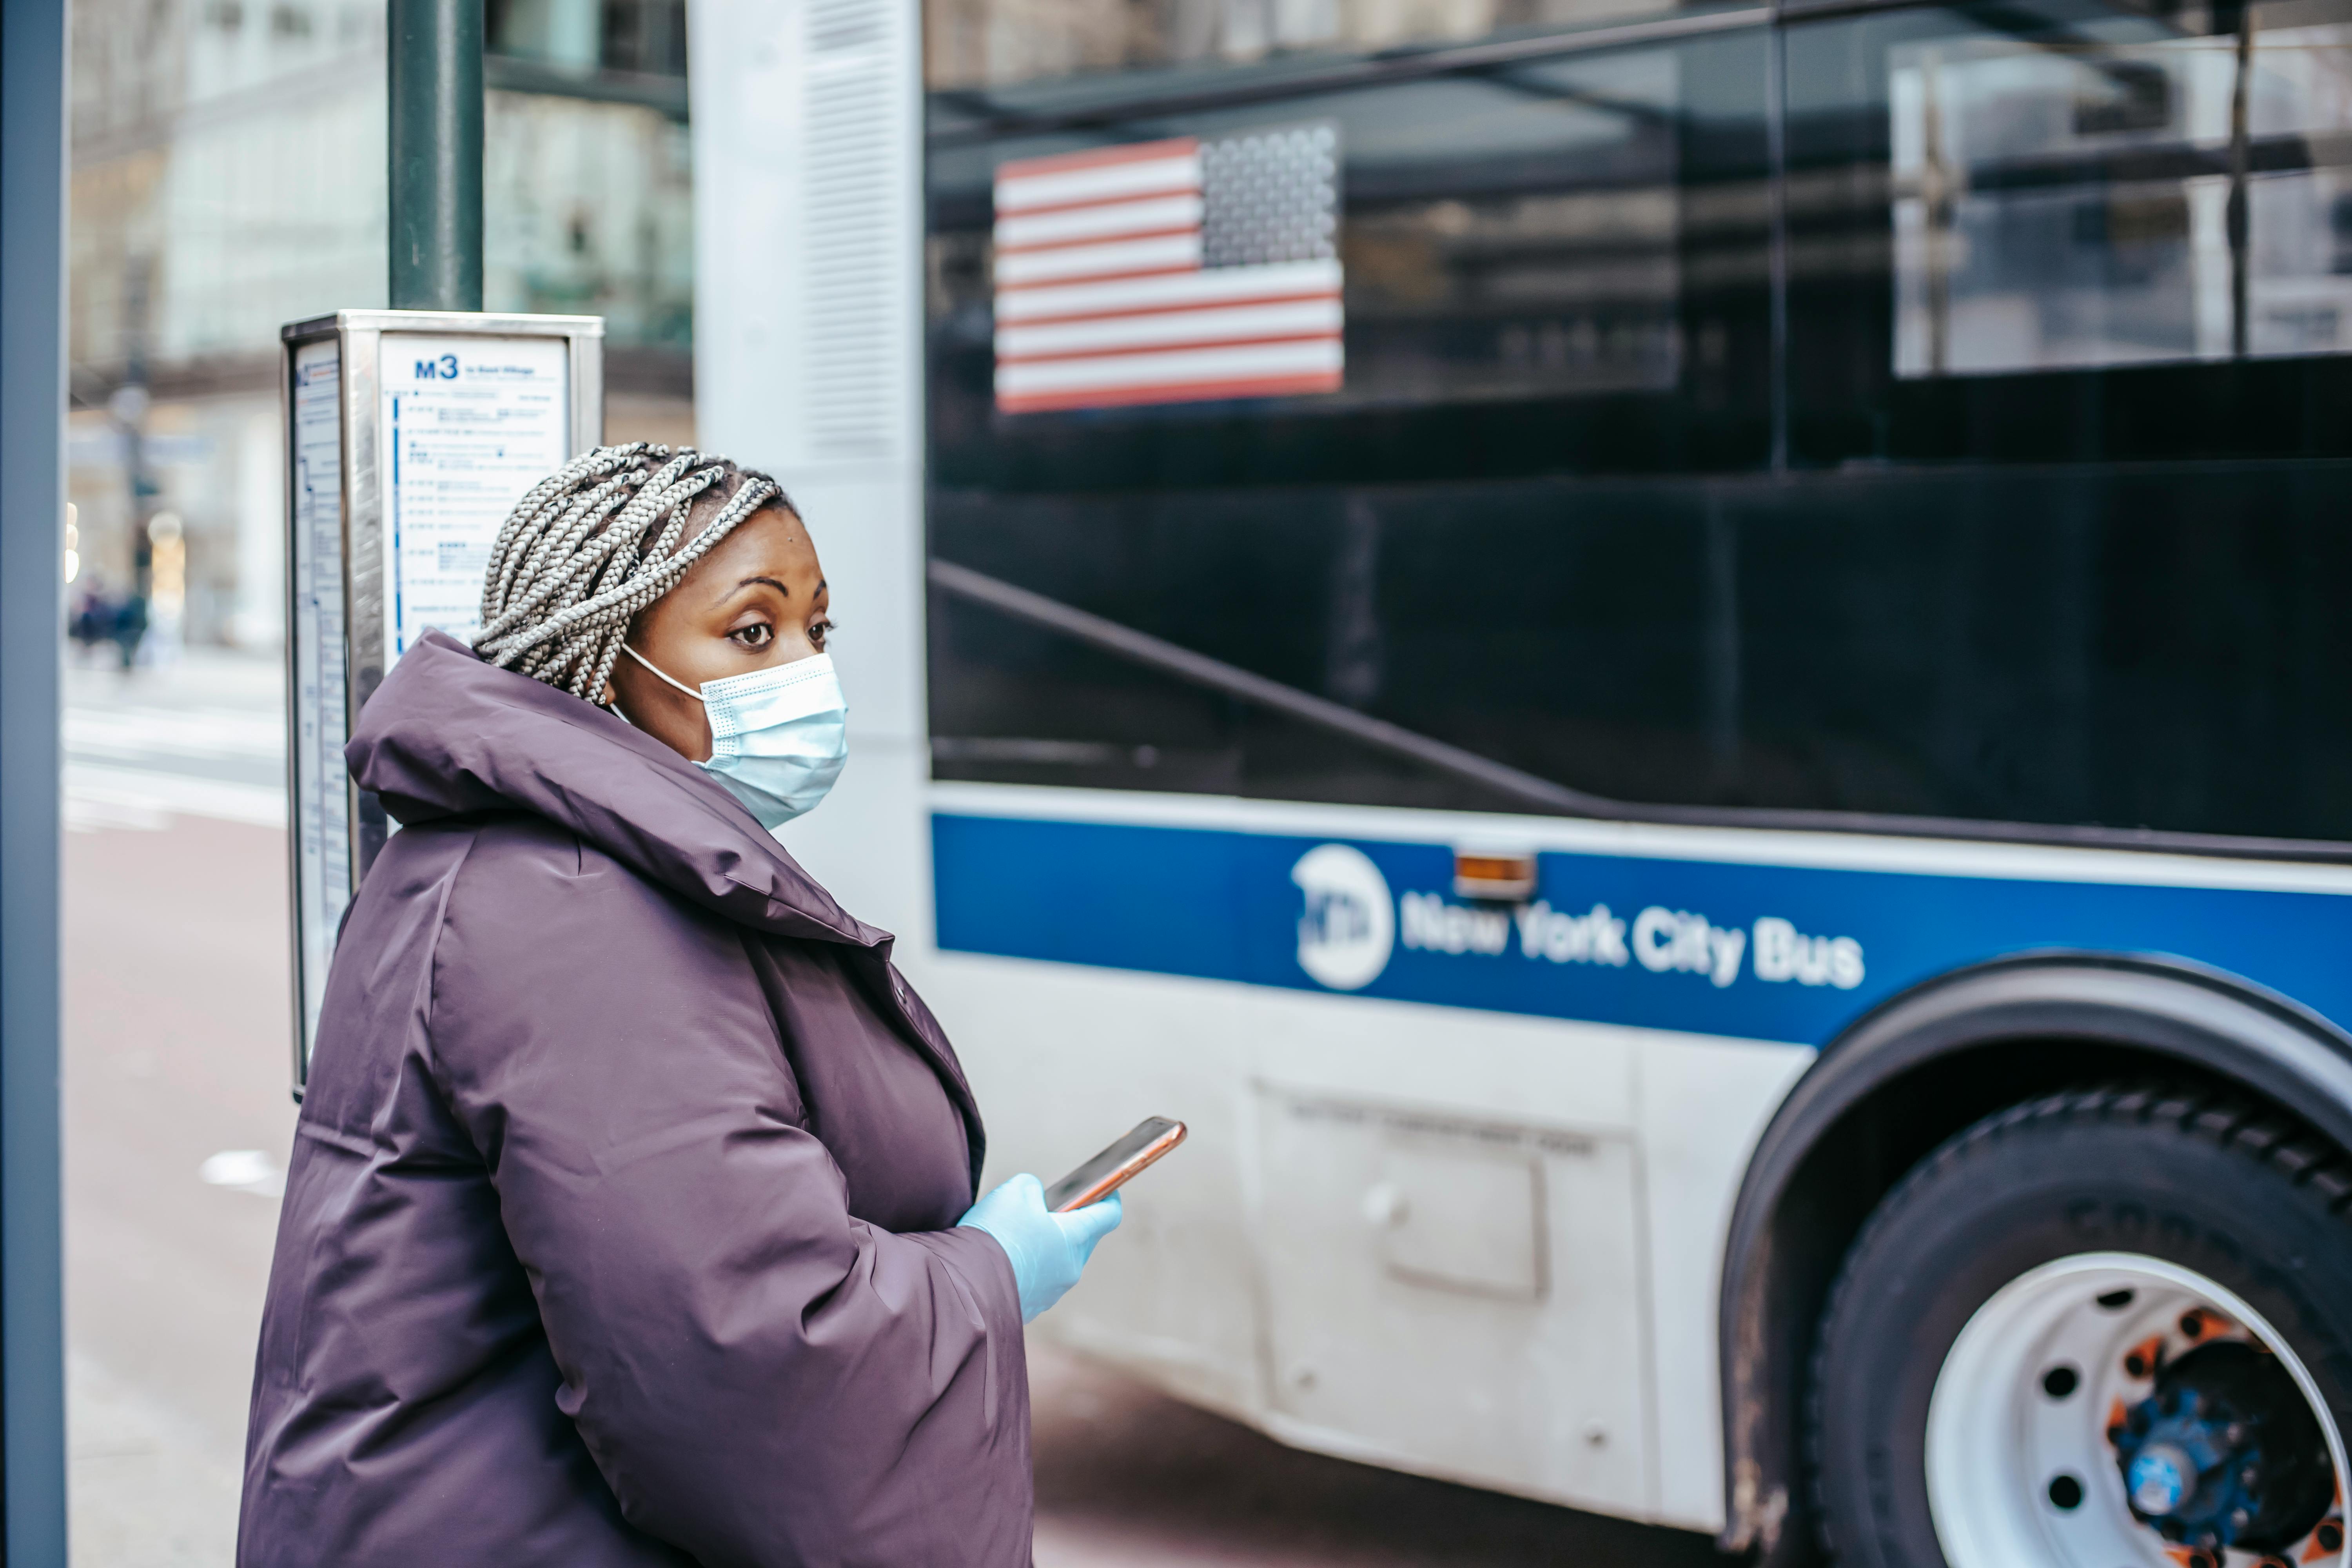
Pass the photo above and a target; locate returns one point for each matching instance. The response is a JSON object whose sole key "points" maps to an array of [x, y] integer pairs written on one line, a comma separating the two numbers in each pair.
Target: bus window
{"points": [[1951, 475], [2074, 204], [1549, 265], [972, 44], [1982, 220], [2064, 487]]}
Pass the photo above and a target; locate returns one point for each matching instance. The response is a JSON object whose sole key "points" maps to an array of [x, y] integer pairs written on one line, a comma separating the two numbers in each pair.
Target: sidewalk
{"points": [[204, 735]]}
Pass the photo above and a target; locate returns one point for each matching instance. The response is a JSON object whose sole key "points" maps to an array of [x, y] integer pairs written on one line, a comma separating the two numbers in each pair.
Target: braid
{"points": [[594, 544]]}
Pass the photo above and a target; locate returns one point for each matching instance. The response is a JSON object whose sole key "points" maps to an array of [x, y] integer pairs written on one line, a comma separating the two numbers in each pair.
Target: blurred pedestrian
{"points": [[622, 1225], [128, 628], [92, 620]]}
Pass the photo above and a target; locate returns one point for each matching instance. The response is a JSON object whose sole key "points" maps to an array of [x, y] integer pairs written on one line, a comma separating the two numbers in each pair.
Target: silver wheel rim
{"points": [[1998, 1440]]}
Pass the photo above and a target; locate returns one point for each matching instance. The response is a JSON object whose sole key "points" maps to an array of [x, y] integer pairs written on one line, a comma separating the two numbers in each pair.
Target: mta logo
{"points": [[1348, 925], [442, 369]]}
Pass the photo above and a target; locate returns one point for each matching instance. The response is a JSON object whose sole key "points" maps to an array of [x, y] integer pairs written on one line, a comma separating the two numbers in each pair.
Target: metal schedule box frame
{"points": [[409, 436]]}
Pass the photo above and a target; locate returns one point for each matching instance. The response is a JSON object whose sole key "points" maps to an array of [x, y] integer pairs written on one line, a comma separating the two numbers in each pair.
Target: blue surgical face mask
{"points": [[778, 735]]}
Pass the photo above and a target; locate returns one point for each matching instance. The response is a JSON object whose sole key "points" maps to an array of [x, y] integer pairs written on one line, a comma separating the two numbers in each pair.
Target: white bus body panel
{"points": [[1248, 1278]]}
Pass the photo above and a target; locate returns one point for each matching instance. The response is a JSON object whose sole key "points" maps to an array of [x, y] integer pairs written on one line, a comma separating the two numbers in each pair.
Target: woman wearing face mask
{"points": [[630, 1218]]}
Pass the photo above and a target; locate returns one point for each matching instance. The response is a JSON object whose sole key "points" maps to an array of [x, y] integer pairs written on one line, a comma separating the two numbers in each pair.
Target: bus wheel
{"points": [[2108, 1328]]}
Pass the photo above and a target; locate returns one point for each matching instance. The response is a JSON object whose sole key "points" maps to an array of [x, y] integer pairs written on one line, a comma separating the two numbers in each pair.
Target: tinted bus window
{"points": [[2023, 506], [975, 45], [2099, 239], [1547, 266], [2068, 306]]}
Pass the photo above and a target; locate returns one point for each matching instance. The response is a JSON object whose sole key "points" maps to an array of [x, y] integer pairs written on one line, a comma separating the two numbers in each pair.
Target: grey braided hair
{"points": [[594, 544]]}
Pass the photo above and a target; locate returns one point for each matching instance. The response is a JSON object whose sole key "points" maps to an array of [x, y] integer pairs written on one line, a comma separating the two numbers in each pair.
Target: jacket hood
{"points": [[448, 734]]}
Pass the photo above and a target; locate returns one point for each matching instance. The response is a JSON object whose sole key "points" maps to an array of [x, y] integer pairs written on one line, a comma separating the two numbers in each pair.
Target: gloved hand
{"points": [[1047, 1249]]}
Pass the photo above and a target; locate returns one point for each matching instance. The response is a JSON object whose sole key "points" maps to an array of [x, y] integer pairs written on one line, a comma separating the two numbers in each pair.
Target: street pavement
{"points": [[177, 1125]]}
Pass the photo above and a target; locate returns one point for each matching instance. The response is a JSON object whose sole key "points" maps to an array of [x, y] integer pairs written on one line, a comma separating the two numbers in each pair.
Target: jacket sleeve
{"points": [[762, 1378]]}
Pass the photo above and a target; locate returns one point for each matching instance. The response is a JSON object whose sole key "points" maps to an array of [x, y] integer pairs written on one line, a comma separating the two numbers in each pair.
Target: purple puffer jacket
{"points": [[617, 1229]]}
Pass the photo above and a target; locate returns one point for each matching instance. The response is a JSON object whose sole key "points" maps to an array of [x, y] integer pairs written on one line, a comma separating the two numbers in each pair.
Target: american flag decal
{"points": [[1169, 271]]}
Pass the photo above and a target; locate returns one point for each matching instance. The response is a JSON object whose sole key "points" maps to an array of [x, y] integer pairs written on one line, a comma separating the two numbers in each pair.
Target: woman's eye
{"points": [[819, 631], [757, 635]]}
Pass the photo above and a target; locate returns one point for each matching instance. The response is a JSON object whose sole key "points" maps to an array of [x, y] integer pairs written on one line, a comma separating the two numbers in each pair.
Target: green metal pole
{"points": [[436, 80]]}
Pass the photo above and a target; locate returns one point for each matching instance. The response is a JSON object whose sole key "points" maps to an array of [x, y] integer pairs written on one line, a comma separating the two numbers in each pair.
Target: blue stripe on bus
{"points": [[1224, 906]]}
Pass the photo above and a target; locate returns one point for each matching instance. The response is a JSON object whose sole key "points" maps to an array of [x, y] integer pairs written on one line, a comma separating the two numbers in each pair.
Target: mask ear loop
{"points": [[681, 685]]}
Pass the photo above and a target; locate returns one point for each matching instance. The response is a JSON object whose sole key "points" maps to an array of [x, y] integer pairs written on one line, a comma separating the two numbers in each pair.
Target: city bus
{"points": [[1681, 672]]}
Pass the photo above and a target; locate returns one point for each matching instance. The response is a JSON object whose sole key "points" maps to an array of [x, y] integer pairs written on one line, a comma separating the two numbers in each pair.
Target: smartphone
{"points": [[1110, 1170]]}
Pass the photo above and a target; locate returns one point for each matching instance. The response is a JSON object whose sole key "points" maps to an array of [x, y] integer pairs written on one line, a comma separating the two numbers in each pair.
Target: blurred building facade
{"points": [[999, 43], [229, 175]]}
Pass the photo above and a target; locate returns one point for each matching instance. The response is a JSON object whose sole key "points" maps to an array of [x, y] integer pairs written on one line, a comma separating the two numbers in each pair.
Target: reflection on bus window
{"points": [[2061, 203], [1001, 43], [1582, 287], [1565, 259]]}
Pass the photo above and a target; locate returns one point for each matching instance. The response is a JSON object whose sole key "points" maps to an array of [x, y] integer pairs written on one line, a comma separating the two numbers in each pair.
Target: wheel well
{"points": [[1907, 1084]]}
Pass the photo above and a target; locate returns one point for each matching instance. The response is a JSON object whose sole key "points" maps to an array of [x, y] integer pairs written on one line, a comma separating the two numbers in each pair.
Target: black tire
{"points": [[2252, 1202]]}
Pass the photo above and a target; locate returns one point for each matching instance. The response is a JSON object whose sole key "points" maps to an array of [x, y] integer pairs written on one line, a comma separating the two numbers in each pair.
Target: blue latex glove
{"points": [[1047, 1249]]}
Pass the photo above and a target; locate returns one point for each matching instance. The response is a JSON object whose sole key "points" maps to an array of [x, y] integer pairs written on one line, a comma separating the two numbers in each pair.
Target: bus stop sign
{"points": [[410, 435]]}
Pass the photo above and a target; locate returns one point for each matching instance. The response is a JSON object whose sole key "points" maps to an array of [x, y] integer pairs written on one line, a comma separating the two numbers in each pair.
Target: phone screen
{"points": [[1152, 1137]]}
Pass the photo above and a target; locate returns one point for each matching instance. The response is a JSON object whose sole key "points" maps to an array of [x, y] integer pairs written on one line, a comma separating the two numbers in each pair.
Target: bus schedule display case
{"points": [[409, 437]]}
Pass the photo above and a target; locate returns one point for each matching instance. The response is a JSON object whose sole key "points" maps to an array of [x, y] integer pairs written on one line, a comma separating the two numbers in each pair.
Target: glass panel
{"points": [[642, 37], [2068, 203], [2299, 190], [2022, 294], [1548, 267], [1553, 269], [2055, 536], [989, 44], [2153, 647], [590, 210], [2017, 247], [2071, 191]]}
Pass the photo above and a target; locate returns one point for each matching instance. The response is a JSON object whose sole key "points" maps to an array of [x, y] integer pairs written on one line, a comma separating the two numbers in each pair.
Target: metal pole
{"points": [[436, 80], [2238, 218], [1149, 652], [31, 607]]}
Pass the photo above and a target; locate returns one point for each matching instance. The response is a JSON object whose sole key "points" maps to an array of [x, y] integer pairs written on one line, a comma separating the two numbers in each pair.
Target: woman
{"points": [[623, 1220]]}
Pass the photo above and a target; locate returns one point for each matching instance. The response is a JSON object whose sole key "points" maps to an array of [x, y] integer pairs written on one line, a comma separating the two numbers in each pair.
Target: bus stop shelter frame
{"points": [[32, 590]]}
